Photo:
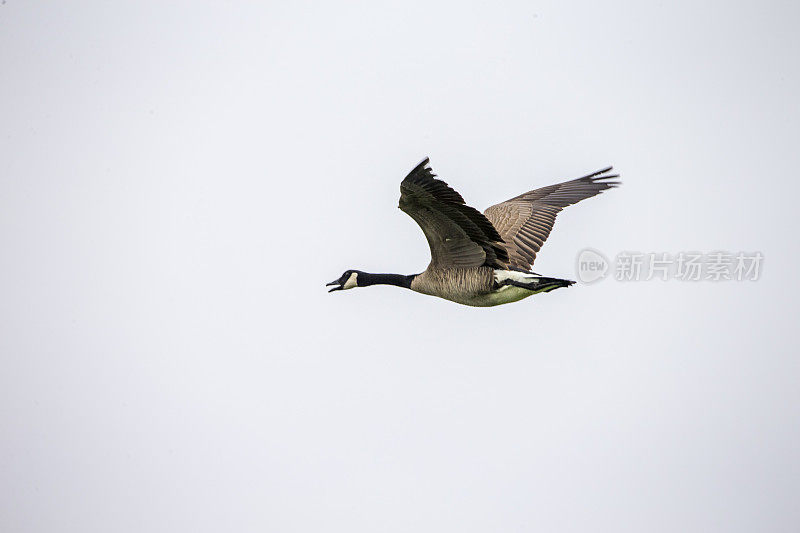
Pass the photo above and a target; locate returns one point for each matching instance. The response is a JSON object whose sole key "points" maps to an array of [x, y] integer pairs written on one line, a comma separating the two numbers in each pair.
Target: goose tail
{"points": [[530, 281], [549, 284]]}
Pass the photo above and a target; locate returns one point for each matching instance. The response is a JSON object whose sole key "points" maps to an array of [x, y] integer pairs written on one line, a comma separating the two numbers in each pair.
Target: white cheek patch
{"points": [[351, 281]]}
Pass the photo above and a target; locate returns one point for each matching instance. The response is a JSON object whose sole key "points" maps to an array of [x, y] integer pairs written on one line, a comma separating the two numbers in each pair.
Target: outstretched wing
{"points": [[459, 235], [524, 222]]}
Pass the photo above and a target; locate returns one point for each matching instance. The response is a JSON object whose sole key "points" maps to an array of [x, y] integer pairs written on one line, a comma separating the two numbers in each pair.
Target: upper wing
{"points": [[525, 221], [459, 235]]}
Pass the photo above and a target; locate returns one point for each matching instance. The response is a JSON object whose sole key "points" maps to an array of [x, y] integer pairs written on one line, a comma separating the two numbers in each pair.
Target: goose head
{"points": [[348, 280]]}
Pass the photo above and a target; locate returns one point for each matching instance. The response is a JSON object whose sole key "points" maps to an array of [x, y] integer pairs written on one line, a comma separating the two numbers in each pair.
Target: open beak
{"points": [[335, 282]]}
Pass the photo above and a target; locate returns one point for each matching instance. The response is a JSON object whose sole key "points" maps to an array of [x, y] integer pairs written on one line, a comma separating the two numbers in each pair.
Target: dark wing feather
{"points": [[458, 235], [525, 221]]}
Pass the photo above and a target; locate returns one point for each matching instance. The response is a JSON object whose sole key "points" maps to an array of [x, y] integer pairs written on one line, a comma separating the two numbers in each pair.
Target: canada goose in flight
{"points": [[480, 259]]}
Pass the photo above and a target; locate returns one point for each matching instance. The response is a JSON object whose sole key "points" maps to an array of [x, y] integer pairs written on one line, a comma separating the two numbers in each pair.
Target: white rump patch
{"points": [[524, 277]]}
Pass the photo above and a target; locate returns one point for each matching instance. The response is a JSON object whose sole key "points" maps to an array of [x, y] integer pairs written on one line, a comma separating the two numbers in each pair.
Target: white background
{"points": [[178, 180]]}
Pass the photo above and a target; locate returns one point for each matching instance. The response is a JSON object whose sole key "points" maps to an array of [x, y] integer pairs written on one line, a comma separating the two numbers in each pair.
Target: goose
{"points": [[480, 260]]}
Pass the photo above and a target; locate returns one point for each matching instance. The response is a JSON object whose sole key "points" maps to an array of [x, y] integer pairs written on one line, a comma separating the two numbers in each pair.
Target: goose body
{"points": [[480, 260], [481, 286]]}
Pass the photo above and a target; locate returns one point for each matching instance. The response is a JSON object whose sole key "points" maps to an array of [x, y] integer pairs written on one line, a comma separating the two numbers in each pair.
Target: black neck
{"points": [[365, 279]]}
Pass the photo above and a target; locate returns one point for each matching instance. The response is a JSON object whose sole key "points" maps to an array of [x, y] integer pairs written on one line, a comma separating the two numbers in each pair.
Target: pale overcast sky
{"points": [[178, 181]]}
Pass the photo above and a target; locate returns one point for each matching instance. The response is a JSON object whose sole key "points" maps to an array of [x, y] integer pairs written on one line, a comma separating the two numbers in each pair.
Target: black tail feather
{"points": [[549, 284]]}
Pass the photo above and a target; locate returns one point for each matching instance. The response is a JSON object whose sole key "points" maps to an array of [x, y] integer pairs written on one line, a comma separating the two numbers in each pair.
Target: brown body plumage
{"points": [[463, 285]]}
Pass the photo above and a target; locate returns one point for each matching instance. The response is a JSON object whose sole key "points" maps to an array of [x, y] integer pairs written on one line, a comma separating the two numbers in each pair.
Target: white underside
{"points": [[503, 295], [508, 293]]}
